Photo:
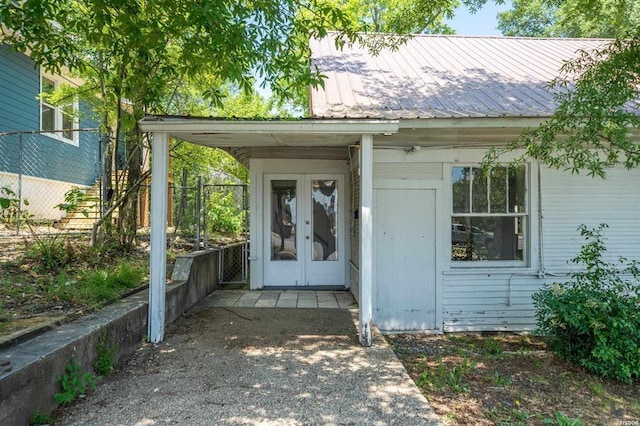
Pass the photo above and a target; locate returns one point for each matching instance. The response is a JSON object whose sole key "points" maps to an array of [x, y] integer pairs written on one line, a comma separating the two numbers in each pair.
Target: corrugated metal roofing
{"points": [[442, 77]]}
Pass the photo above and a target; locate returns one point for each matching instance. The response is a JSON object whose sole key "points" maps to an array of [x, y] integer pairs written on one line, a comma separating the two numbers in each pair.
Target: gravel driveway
{"points": [[257, 366]]}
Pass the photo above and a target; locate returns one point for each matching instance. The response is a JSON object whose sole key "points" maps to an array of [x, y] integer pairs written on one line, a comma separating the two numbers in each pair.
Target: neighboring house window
{"points": [[489, 215], [58, 120]]}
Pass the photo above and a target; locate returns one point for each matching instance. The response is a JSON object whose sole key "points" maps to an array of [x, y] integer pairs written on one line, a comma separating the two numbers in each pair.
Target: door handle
{"points": [[307, 237]]}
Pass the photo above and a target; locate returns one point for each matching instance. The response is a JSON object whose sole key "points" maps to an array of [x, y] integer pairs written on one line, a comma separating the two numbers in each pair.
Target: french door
{"points": [[304, 230]]}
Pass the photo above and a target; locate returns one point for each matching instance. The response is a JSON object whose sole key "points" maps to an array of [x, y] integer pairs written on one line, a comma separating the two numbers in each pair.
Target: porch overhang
{"points": [[238, 134], [268, 133]]}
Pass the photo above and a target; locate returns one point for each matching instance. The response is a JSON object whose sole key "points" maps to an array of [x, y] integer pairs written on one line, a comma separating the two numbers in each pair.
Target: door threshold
{"points": [[306, 288]]}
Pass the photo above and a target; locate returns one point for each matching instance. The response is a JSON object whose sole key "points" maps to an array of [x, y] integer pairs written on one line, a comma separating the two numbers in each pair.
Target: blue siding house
{"points": [[39, 151]]}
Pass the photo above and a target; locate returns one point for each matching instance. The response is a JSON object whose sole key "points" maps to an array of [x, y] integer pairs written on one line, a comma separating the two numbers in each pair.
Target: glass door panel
{"points": [[283, 220], [324, 198]]}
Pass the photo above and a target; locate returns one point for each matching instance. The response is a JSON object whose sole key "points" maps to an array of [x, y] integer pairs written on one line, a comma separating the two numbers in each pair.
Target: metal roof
{"points": [[440, 76]]}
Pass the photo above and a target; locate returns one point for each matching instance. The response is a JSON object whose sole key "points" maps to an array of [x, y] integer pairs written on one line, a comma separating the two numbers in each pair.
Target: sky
{"points": [[482, 23]]}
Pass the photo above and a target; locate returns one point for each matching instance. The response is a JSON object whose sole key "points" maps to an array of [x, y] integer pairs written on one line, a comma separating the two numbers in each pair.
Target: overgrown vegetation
{"points": [[39, 418], [105, 355], [74, 382], [63, 276], [593, 319], [510, 379], [452, 379], [10, 206]]}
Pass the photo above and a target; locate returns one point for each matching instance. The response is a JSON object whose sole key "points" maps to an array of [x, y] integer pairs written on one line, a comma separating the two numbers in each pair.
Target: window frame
{"points": [[525, 218], [58, 114]]}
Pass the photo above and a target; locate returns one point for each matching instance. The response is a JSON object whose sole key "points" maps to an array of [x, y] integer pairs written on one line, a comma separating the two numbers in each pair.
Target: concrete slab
{"points": [[307, 303], [267, 300], [231, 366], [287, 300], [248, 299]]}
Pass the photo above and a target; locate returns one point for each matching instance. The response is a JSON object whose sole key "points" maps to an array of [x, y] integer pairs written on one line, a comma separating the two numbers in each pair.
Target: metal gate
{"points": [[233, 263]]}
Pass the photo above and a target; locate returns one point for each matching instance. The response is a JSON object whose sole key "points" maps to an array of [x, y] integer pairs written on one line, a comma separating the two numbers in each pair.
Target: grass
{"points": [[510, 379], [58, 276]]}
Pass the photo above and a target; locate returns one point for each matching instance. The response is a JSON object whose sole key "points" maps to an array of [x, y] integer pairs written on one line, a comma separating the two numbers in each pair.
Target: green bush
{"points": [[594, 318], [224, 215]]}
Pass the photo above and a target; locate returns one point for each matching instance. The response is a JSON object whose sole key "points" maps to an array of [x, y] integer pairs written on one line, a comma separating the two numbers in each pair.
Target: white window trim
{"points": [[75, 140], [525, 263]]}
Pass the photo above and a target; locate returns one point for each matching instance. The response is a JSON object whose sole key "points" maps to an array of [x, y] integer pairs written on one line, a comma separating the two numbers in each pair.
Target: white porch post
{"points": [[366, 238], [158, 257]]}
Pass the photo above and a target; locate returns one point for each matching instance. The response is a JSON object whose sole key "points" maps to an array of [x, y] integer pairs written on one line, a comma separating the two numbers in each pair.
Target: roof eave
{"points": [[304, 127]]}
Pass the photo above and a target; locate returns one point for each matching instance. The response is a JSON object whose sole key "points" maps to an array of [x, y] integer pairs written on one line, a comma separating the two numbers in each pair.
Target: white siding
{"points": [[570, 200], [486, 299], [480, 301]]}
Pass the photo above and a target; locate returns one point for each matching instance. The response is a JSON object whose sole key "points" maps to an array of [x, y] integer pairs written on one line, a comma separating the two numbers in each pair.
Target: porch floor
{"points": [[280, 299]]}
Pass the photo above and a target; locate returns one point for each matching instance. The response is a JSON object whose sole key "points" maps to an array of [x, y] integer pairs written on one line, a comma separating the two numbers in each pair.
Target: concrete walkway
{"points": [[226, 364], [281, 299]]}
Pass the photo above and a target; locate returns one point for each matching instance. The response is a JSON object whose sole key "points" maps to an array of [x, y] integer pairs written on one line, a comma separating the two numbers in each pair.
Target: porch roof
{"points": [[267, 133], [329, 138]]}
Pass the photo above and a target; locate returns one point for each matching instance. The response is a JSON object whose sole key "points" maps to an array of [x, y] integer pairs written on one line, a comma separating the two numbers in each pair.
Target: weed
{"points": [[597, 389], [4, 316], [497, 379], [72, 201], [40, 418], [537, 362], [508, 414], [560, 419], [10, 211], [443, 378], [51, 253], [492, 347], [74, 382], [104, 355], [539, 379]]}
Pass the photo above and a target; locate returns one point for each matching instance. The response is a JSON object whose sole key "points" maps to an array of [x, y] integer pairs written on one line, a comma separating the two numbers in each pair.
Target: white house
{"points": [[379, 191]]}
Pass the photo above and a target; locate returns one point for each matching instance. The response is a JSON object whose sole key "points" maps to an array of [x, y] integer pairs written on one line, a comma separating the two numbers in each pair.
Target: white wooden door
{"points": [[304, 223], [405, 261]]}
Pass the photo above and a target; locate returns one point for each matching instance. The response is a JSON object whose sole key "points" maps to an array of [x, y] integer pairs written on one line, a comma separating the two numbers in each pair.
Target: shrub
{"points": [[593, 319], [224, 215]]}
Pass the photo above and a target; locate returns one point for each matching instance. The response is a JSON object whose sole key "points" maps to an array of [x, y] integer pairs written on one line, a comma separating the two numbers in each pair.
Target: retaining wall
{"points": [[31, 383]]}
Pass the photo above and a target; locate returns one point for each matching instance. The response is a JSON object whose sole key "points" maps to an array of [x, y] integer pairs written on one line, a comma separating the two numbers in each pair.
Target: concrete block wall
{"points": [[31, 384]]}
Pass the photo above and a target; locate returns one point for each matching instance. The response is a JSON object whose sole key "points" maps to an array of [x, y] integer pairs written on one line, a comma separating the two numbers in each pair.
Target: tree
{"points": [[533, 18], [570, 18], [395, 16], [598, 93], [139, 56]]}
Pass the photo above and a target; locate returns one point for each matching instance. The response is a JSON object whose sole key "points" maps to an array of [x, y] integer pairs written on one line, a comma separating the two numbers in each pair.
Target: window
{"points": [[58, 120], [489, 215]]}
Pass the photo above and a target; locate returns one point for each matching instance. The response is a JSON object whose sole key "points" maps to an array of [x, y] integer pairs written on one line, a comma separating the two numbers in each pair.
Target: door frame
{"points": [[258, 169]]}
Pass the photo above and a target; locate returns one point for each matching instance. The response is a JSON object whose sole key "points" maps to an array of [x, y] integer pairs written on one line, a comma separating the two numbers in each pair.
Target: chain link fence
{"points": [[37, 170], [212, 216]]}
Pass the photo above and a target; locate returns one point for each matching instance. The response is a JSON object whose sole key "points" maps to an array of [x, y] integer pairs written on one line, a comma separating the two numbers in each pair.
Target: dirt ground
{"points": [[510, 379]]}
